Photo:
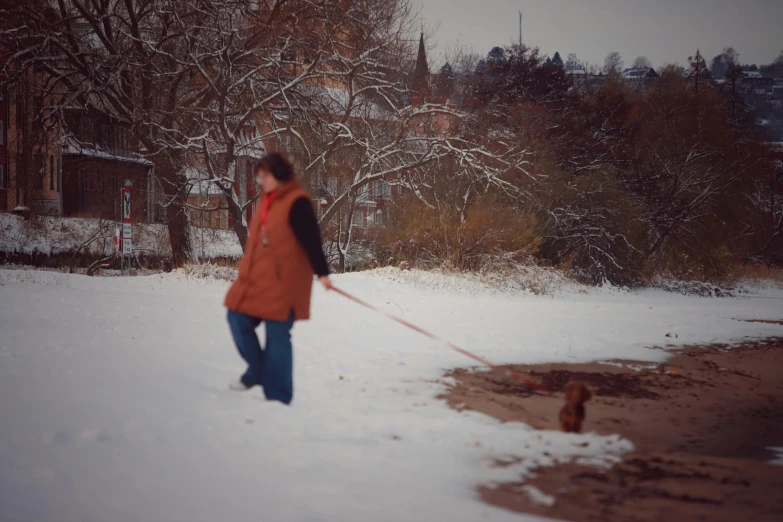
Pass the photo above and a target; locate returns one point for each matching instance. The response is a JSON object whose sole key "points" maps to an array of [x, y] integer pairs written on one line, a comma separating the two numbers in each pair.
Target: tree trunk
{"points": [[240, 228], [341, 263], [179, 234], [174, 188]]}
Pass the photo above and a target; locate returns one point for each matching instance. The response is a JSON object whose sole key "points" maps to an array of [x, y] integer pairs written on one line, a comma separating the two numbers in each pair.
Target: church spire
{"points": [[419, 82]]}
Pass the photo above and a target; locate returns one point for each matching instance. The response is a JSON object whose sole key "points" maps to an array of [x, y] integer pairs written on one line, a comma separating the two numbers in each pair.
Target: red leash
{"points": [[504, 371]]}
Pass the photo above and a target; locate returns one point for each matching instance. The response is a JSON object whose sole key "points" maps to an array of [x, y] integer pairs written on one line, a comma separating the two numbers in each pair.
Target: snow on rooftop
{"points": [[71, 147], [639, 72]]}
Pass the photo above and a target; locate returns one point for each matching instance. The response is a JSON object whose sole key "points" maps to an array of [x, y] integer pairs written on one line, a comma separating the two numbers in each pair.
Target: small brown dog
{"points": [[573, 413]]}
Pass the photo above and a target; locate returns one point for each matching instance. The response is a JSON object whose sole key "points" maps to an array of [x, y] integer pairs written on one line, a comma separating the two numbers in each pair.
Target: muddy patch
{"points": [[601, 383], [651, 487], [702, 424]]}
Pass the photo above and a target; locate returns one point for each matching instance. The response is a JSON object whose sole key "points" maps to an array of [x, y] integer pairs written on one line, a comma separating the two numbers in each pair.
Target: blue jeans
{"points": [[271, 368]]}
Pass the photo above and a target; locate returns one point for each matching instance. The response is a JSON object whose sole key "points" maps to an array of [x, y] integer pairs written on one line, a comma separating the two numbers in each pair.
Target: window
{"points": [[383, 190], [101, 135], [123, 144], [39, 169], [288, 54], [2, 178], [331, 186], [59, 177], [19, 112], [378, 217], [86, 130], [38, 103], [52, 173]]}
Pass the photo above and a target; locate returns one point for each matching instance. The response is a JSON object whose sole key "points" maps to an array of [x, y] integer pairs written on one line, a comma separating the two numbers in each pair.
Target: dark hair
{"points": [[278, 165]]}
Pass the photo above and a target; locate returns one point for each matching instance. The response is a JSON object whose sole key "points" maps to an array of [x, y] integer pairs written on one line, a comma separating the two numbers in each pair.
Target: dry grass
{"points": [[209, 271], [761, 276]]}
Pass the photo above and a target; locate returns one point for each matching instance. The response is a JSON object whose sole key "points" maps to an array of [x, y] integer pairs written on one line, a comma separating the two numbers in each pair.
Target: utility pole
{"points": [[520, 28]]}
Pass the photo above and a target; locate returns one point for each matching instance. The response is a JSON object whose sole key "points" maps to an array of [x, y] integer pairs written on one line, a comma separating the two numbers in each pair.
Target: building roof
{"points": [[751, 74], [638, 73], [72, 147]]}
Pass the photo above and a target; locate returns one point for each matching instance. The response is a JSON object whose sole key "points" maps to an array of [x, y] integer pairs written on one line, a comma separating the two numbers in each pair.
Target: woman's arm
{"points": [[305, 226]]}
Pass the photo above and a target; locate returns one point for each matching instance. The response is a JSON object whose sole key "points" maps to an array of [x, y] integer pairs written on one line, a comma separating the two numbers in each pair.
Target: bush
{"points": [[490, 231]]}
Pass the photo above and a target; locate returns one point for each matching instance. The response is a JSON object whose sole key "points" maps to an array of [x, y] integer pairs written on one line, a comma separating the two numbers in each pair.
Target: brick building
{"points": [[99, 155], [3, 151], [70, 168], [31, 152]]}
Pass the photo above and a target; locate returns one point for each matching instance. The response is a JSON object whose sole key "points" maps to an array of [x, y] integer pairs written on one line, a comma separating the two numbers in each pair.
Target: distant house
{"points": [[640, 74], [583, 81], [702, 74], [640, 77], [373, 202], [753, 82]]}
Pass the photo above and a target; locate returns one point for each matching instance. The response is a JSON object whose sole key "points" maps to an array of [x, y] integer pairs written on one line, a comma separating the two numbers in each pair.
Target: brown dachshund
{"points": [[573, 413]]}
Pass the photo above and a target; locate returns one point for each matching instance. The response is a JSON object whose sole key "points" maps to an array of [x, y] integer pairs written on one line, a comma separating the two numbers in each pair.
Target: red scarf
{"points": [[265, 207]]}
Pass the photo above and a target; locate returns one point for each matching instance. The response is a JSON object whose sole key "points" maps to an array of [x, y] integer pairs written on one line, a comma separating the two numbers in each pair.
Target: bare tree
{"points": [[572, 63], [336, 98], [613, 63], [642, 62], [122, 59], [463, 62], [724, 63]]}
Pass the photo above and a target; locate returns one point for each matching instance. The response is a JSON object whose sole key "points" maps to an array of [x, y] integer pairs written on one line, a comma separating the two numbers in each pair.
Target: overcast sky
{"points": [[665, 31]]}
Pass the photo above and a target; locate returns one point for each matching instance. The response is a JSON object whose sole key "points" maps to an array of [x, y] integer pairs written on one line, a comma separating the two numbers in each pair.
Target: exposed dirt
{"points": [[701, 425]]}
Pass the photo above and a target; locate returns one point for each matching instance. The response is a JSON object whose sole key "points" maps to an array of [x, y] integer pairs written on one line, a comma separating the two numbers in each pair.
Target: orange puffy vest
{"points": [[276, 278]]}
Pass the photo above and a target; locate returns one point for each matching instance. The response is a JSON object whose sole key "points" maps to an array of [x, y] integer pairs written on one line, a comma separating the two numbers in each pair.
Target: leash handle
{"points": [[422, 331]]}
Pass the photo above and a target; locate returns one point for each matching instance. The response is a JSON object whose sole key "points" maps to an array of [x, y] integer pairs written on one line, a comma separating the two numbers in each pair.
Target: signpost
{"points": [[126, 244]]}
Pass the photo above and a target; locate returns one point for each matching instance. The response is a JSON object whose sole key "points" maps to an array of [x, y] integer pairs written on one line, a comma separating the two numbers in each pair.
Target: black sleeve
{"points": [[305, 226]]}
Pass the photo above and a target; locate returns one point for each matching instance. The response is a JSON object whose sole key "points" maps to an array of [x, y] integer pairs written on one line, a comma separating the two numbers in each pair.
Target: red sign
{"points": [[126, 205]]}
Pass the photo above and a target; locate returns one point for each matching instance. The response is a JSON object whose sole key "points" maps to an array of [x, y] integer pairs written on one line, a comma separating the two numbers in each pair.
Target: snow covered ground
{"points": [[114, 403]]}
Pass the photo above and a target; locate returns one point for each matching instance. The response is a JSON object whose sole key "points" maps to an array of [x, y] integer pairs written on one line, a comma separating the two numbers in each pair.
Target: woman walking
{"points": [[282, 253]]}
